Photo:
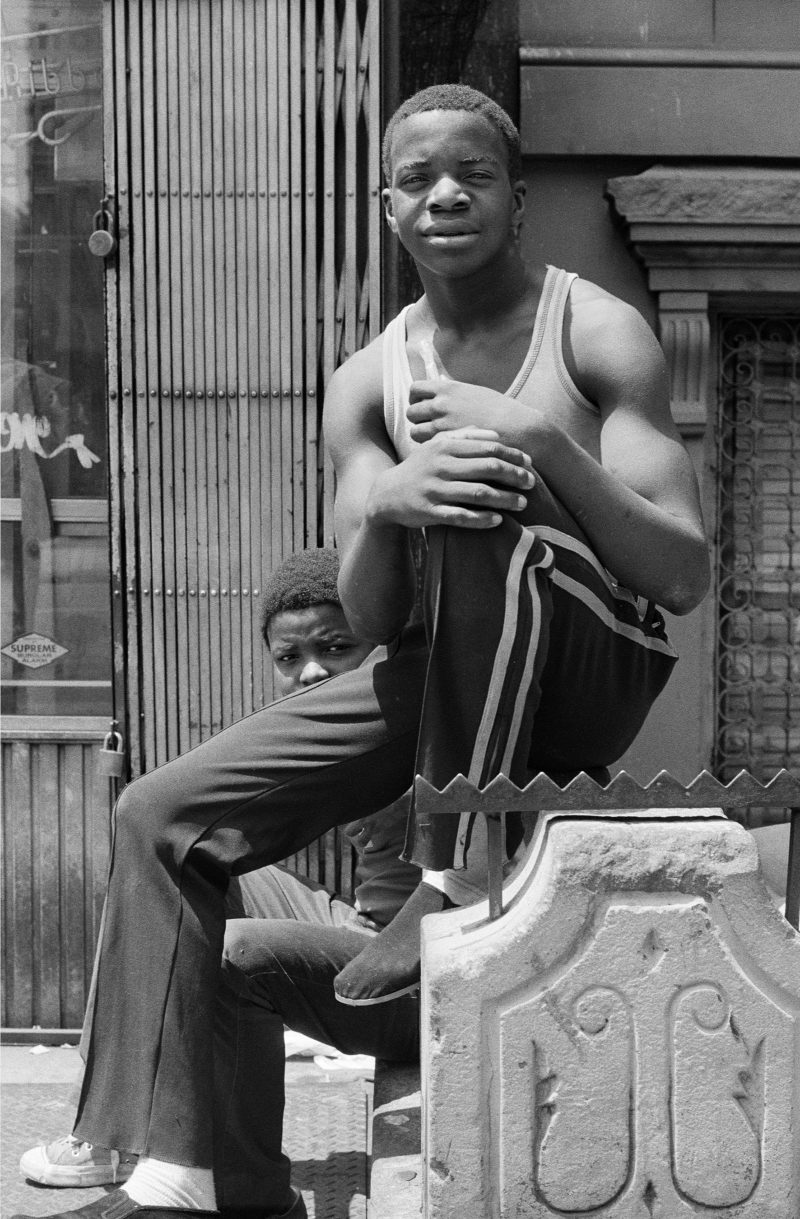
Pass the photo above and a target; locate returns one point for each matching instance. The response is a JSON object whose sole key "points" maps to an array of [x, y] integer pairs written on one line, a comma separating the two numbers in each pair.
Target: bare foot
{"points": [[390, 964]]}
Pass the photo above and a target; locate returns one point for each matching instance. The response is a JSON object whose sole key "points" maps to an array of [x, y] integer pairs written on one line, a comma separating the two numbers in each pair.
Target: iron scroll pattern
{"points": [[758, 451]]}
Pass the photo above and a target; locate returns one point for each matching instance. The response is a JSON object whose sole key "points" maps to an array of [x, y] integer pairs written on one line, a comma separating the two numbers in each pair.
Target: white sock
{"points": [[159, 1183]]}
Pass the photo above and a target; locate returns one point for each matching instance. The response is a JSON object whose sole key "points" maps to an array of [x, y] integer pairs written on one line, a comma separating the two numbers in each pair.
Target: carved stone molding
{"points": [[702, 232], [720, 195], [686, 337]]}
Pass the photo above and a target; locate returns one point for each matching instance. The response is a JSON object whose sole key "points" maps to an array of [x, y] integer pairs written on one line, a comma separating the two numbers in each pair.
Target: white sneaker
{"points": [[72, 1164]]}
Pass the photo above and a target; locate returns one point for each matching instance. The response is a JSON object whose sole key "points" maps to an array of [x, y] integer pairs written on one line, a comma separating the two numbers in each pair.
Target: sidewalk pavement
{"points": [[325, 1129]]}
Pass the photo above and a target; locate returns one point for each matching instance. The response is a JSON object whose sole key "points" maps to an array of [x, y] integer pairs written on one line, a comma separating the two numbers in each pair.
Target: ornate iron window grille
{"points": [[758, 455]]}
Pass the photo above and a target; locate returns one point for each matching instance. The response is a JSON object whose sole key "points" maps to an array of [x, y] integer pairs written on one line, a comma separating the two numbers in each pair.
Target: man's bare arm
{"points": [[640, 507], [376, 580], [465, 478], [647, 483]]}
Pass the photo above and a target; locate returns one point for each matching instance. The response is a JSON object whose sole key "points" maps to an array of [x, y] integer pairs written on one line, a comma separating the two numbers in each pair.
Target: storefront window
{"points": [[55, 644]]}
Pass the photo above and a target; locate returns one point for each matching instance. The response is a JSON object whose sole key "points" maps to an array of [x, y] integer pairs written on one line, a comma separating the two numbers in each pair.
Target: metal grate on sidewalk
{"points": [[325, 1131]]}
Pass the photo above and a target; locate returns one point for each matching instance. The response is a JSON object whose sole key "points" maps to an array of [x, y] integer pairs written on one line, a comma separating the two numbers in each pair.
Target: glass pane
{"points": [[53, 443]]}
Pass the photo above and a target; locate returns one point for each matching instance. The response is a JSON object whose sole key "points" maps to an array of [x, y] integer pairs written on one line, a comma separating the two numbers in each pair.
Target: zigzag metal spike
{"points": [[745, 789], [623, 792], [499, 791], [541, 790], [784, 788]]}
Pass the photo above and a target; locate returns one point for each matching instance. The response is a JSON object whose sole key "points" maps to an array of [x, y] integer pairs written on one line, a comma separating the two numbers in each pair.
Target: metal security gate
{"points": [[243, 182], [758, 677]]}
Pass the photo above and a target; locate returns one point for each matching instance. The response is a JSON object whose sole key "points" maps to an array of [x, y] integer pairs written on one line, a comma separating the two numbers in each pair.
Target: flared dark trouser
{"points": [[533, 658]]}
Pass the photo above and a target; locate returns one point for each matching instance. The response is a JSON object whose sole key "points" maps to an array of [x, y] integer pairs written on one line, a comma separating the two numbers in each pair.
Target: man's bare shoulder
{"points": [[354, 396], [594, 311], [609, 346]]}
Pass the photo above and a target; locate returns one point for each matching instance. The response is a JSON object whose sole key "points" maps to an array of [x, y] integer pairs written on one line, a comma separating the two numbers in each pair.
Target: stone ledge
{"points": [[395, 1186], [720, 196]]}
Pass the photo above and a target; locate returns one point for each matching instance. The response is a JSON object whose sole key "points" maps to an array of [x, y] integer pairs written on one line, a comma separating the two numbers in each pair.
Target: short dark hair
{"points": [[304, 579], [456, 97]]}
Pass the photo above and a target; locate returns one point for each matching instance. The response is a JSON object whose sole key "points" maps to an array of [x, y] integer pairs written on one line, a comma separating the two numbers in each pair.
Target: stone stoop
{"points": [[395, 1179], [624, 1041]]}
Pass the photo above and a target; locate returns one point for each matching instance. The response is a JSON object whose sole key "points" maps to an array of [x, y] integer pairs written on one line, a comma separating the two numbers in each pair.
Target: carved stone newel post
{"points": [[625, 1041]]}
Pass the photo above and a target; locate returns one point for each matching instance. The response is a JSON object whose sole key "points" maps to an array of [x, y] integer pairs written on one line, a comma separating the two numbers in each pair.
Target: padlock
{"points": [[101, 241], [111, 761]]}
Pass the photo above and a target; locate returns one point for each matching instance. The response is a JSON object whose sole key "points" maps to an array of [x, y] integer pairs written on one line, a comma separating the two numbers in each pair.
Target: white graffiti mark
{"points": [[27, 432]]}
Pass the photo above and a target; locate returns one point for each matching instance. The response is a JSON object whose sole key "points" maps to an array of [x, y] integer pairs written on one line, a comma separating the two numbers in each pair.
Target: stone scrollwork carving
{"points": [[622, 1042], [598, 1027], [614, 1116], [714, 1071]]}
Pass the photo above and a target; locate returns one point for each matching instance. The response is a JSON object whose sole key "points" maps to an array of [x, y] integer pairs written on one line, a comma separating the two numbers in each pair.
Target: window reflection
{"points": [[55, 641]]}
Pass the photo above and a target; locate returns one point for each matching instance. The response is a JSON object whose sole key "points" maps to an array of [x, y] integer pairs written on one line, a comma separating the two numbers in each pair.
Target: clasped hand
{"points": [[444, 405], [465, 477]]}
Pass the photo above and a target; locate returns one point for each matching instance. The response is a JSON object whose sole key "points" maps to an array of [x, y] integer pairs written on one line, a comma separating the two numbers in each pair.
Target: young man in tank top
{"points": [[521, 418]]}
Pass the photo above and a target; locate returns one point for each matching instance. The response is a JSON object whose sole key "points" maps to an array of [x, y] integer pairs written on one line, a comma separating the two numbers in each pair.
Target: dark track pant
{"points": [[535, 661]]}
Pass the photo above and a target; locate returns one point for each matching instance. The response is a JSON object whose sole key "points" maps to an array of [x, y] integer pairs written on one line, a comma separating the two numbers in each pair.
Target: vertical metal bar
{"points": [[206, 321], [293, 388], [496, 837], [44, 820], [171, 331], [348, 69], [194, 382], [72, 851], [185, 504], [310, 288], [387, 102], [793, 876], [157, 117], [261, 451], [17, 818], [329, 285], [125, 611], [215, 439], [218, 462], [227, 424], [238, 503], [372, 107], [285, 280], [273, 225], [144, 184], [252, 651]]}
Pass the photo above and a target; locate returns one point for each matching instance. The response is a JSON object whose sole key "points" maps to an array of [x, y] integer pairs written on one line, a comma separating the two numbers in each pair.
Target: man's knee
{"points": [[147, 809], [252, 946], [251, 962]]}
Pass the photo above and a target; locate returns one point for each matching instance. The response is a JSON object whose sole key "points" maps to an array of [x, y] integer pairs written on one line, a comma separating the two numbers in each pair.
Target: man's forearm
{"points": [[377, 581], [653, 552]]}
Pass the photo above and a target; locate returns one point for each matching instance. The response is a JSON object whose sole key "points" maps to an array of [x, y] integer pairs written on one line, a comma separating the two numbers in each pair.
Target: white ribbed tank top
{"points": [[542, 381]]}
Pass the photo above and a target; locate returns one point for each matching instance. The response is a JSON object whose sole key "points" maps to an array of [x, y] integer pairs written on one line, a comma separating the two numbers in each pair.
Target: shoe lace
{"points": [[70, 1140]]}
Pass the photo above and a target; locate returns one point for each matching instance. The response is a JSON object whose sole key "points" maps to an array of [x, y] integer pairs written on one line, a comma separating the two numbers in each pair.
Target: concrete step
{"points": [[395, 1188]]}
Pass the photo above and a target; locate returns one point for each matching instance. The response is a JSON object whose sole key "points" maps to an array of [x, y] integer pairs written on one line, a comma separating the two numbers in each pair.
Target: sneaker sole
{"points": [[376, 999], [79, 1177]]}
